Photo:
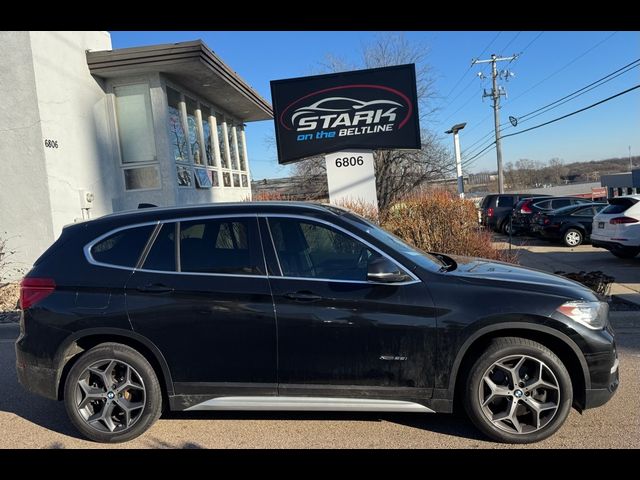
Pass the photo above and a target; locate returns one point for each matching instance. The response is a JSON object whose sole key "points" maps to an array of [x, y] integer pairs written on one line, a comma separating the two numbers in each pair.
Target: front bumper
{"points": [[34, 376], [596, 397]]}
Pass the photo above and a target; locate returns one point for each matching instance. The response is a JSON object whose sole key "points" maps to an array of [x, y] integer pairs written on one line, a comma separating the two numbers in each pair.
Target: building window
{"points": [[136, 136], [245, 181], [207, 133], [233, 146], [192, 126], [185, 179], [224, 153], [242, 151], [203, 180], [135, 123], [141, 178], [213, 175], [226, 179], [236, 180], [177, 137]]}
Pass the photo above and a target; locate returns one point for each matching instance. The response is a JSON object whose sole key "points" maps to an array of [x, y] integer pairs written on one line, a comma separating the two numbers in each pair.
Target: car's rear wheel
{"points": [[626, 252], [573, 237], [518, 391], [112, 394]]}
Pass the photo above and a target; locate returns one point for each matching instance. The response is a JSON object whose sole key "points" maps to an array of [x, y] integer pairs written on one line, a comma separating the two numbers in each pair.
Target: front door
{"points": [[204, 301], [339, 334]]}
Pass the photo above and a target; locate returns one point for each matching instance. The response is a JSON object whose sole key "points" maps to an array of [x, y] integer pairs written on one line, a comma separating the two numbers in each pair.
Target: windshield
{"points": [[424, 259]]}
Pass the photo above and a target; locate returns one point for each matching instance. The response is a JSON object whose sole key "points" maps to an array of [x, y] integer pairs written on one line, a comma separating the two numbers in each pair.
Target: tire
{"points": [[573, 237], [555, 390], [626, 252], [141, 394], [506, 226]]}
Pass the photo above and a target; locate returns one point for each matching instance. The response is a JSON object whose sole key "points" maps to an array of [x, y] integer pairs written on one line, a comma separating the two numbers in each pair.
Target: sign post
{"points": [[351, 177]]}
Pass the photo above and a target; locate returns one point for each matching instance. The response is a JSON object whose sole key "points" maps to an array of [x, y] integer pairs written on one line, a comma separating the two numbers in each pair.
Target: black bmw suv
{"points": [[296, 306]]}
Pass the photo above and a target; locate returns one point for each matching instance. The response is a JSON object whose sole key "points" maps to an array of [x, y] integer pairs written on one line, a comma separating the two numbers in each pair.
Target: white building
{"points": [[86, 130]]}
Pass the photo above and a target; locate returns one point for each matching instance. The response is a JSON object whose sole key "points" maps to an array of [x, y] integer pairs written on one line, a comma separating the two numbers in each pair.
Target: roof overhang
{"points": [[191, 64]]}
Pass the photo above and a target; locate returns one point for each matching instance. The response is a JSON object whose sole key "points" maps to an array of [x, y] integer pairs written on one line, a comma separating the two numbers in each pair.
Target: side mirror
{"points": [[383, 270]]}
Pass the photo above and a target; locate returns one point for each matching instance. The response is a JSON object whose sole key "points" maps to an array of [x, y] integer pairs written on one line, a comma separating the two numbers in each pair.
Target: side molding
{"points": [[316, 404]]}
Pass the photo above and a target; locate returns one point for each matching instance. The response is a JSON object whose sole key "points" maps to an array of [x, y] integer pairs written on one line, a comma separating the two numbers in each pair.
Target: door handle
{"points": [[303, 296], [155, 288]]}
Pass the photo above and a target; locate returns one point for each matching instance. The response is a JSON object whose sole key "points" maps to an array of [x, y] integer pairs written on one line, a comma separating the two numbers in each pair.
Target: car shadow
{"points": [[454, 425], [15, 399]]}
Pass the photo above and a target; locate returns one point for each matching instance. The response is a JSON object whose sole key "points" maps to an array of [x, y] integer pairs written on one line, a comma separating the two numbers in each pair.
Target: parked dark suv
{"points": [[293, 306], [495, 209]]}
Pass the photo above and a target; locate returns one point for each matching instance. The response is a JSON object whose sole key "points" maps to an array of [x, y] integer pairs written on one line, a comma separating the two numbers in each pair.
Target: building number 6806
{"points": [[349, 161]]}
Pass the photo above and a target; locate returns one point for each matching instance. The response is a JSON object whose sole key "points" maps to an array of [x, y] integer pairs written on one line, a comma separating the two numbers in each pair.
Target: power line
{"points": [[574, 113], [585, 89], [556, 119], [510, 42], [564, 67], [471, 66], [531, 42]]}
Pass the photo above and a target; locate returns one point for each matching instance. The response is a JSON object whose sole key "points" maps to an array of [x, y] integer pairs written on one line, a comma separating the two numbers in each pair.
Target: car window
{"points": [[310, 250], [584, 212], [545, 205], [123, 248], [560, 202], [505, 201], [619, 205], [219, 246], [162, 255]]}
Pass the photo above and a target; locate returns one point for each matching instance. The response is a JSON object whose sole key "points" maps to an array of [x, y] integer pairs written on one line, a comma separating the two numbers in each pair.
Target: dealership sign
{"points": [[364, 109]]}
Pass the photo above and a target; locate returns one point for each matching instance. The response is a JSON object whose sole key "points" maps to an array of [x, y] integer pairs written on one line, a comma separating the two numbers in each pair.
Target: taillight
{"points": [[489, 212], [546, 221], [618, 220], [32, 290], [525, 207]]}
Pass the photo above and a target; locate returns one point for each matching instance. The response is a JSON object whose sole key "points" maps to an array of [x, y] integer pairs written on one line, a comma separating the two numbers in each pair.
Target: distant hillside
{"points": [[593, 170]]}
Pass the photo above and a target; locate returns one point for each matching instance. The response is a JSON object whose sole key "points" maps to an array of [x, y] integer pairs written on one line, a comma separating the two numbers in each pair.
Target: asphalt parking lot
{"points": [[552, 257], [28, 421]]}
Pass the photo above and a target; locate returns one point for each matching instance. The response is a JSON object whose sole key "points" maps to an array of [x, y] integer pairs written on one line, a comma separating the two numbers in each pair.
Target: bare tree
{"points": [[398, 172]]}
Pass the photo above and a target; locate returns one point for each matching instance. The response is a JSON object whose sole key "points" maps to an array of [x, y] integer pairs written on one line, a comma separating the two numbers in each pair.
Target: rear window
{"points": [[487, 201], [505, 201], [544, 205], [619, 205], [123, 248]]}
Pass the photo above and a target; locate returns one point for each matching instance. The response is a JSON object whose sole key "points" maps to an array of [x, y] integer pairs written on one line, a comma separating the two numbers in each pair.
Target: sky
{"points": [[550, 66]]}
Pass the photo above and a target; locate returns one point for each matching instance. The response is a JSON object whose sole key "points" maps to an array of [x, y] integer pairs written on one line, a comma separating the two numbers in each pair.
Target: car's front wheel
{"points": [[518, 391], [112, 394]]}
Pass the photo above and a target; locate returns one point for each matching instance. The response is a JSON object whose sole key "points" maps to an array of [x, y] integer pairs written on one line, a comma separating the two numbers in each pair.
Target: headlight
{"points": [[590, 314]]}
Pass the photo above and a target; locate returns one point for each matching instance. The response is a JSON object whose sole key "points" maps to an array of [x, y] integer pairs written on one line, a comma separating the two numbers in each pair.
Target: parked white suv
{"points": [[617, 227]]}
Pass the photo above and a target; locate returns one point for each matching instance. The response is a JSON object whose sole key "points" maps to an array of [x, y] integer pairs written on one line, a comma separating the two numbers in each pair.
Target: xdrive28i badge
{"points": [[371, 109]]}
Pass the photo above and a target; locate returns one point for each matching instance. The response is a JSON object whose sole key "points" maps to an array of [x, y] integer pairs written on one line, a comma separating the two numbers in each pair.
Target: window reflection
{"points": [[176, 130]]}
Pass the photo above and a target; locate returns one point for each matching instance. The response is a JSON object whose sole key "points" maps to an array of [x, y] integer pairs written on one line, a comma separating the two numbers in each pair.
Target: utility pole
{"points": [[630, 162], [496, 92]]}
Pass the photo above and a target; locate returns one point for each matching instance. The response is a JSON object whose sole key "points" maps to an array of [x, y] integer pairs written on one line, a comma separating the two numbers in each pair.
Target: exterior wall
{"points": [[73, 112], [49, 97], [25, 212]]}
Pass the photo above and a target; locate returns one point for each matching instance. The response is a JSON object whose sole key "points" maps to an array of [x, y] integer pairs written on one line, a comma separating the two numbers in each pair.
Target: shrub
{"points": [[436, 221]]}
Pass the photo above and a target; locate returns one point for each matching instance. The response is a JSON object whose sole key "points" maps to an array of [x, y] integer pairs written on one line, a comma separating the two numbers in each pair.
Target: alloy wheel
{"points": [[110, 395], [573, 238], [519, 394]]}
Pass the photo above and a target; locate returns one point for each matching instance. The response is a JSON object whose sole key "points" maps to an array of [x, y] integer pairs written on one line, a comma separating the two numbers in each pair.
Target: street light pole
{"points": [[456, 148]]}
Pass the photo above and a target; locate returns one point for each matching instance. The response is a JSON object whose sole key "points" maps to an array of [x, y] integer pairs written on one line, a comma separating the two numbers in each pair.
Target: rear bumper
{"points": [[34, 376], [609, 245]]}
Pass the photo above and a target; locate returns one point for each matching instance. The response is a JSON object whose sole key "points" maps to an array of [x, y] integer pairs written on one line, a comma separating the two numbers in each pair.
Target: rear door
{"points": [[203, 298]]}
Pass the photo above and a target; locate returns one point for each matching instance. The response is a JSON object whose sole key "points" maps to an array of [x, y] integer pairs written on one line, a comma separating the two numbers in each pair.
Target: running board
{"points": [[317, 404]]}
